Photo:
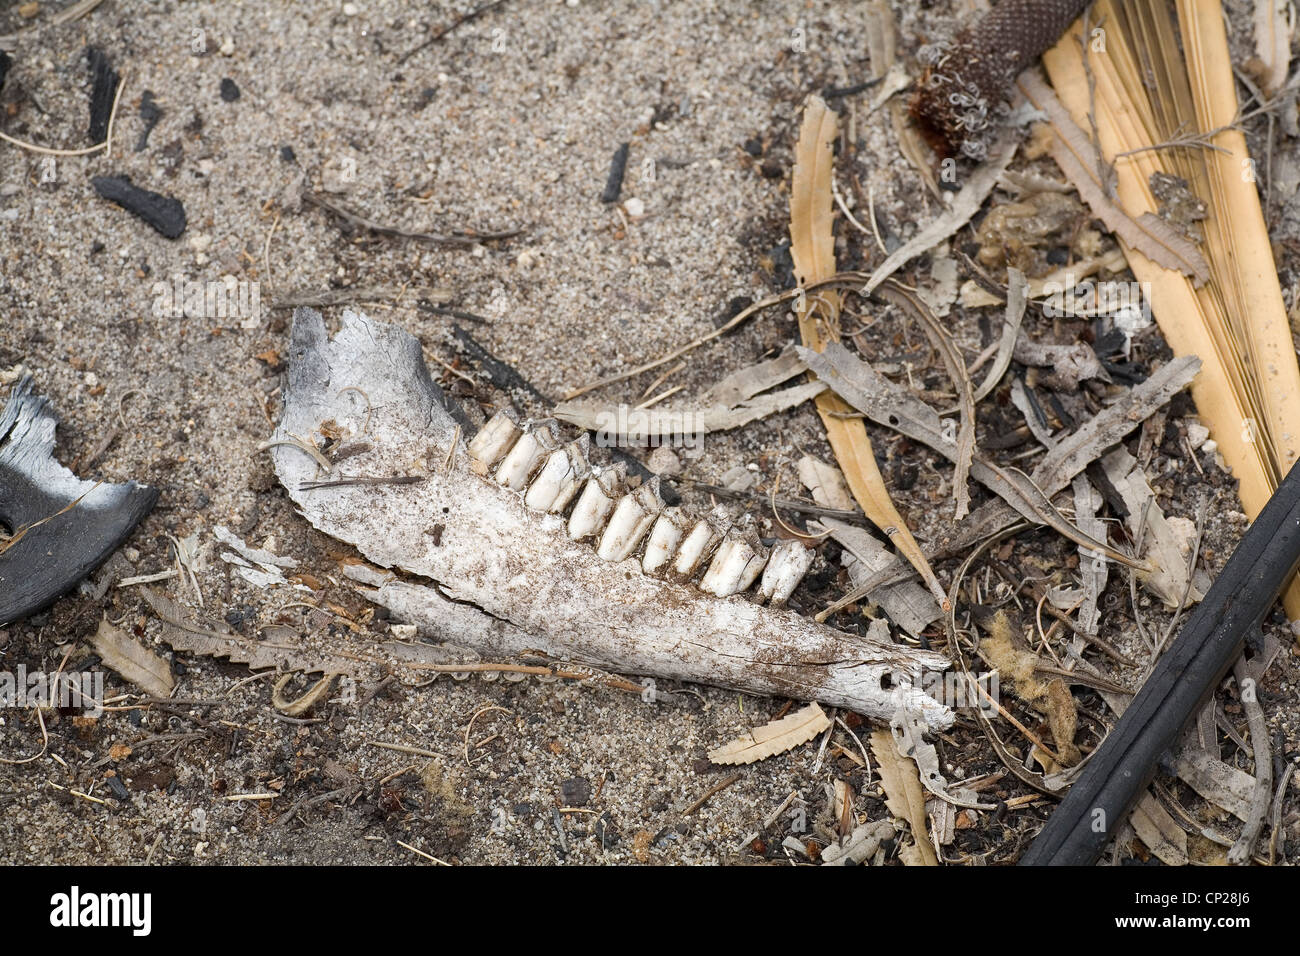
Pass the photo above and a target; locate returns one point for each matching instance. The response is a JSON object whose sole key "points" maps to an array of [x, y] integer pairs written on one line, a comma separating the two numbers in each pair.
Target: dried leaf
{"points": [[1159, 831], [962, 209], [904, 795], [889, 405], [825, 483], [773, 738], [1017, 299], [908, 605], [1161, 80], [812, 247], [135, 662], [631, 424], [1073, 453], [1077, 157], [1167, 549], [1274, 24]]}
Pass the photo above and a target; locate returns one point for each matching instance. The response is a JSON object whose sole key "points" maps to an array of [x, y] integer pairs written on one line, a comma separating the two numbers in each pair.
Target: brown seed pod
{"points": [[966, 80]]}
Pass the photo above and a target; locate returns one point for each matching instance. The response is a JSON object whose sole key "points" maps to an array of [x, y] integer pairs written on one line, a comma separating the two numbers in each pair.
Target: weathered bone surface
{"points": [[523, 577]]}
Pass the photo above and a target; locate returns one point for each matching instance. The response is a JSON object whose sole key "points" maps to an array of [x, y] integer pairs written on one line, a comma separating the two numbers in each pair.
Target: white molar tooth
{"points": [[493, 440], [595, 502], [519, 464], [700, 542], [737, 564], [632, 518], [667, 533], [577, 451], [789, 562], [560, 477]]}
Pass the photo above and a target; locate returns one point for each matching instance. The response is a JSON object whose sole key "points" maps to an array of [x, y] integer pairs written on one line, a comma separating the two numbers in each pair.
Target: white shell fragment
{"points": [[667, 533], [596, 502], [526, 456], [632, 518], [493, 440], [786, 567], [735, 567]]}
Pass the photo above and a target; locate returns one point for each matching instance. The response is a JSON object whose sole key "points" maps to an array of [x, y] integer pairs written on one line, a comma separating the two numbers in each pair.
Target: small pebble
{"points": [[635, 208], [229, 90], [575, 792], [227, 47]]}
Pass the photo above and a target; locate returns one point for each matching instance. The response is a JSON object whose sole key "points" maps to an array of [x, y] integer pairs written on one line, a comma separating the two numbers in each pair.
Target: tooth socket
{"points": [[632, 518], [789, 562], [667, 533], [700, 543], [596, 502], [736, 566], [523, 460], [493, 441]]}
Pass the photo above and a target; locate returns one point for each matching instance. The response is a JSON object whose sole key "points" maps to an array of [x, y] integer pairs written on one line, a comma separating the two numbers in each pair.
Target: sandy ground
{"points": [[508, 122]]}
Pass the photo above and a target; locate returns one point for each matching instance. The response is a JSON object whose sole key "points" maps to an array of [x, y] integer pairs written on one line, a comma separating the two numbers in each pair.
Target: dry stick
{"points": [[894, 291], [1275, 836], [1259, 798], [841, 280], [715, 789], [473, 14], [450, 239]]}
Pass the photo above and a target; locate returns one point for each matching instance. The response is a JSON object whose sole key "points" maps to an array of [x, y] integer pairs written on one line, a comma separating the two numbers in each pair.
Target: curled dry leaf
{"points": [[1078, 159], [135, 662], [812, 247], [773, 738], [904, 795]]}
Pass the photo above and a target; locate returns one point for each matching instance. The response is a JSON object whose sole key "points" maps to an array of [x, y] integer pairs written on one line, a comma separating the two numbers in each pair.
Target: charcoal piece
{"points": [[103, 89], [151, 113], [164, 213], [617, 168]]}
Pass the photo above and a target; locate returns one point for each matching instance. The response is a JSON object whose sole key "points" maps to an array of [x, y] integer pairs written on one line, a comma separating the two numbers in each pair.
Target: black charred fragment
{"points": [[617, 169], [6, 62], [104, 88], [165, 213], [229, 90]]}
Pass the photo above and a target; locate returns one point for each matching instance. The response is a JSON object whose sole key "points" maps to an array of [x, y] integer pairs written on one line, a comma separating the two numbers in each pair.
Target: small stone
{"points": [[663, 461], [200, 242], [227, 47], [29, 10], [575, 792], [1197, 434], [403, 632], [229, 90], [350, 9], [635, 208]]}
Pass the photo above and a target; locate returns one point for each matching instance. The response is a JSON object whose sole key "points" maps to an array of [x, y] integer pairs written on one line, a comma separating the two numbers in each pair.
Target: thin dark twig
{"points": [[446, 239], [438, 35]]}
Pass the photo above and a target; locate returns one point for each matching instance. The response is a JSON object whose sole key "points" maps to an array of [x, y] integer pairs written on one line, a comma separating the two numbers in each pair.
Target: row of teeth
{"points": [[553, 475]]}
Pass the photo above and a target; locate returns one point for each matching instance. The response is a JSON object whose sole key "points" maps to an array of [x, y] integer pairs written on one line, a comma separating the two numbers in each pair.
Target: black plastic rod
{"points": [[1179, 686]]}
